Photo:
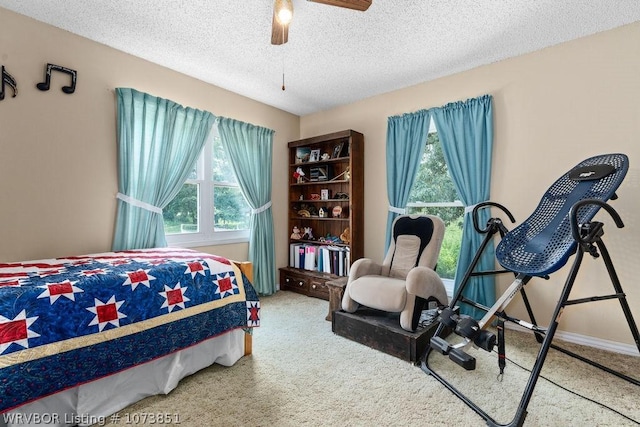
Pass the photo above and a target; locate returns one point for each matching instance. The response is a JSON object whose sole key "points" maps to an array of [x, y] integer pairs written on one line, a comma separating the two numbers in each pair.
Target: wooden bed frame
{"points": [[246, 267]]}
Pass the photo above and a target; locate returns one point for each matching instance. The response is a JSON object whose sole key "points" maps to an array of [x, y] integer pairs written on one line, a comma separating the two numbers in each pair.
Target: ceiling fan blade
{"points": [[361, 5], [279, 32]]}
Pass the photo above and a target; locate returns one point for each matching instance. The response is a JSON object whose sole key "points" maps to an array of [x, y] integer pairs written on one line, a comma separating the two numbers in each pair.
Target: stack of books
{"points": [[322, 258]]}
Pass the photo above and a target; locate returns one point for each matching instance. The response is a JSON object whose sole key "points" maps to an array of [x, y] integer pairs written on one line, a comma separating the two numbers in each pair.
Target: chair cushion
{"points": [[405, 256], [379, 292]]}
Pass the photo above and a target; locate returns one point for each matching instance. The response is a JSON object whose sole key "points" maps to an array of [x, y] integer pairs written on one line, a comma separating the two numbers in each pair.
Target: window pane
{"points": [[231, 211], [452, 217], [221, 170], [433, 184], [181, 214]]}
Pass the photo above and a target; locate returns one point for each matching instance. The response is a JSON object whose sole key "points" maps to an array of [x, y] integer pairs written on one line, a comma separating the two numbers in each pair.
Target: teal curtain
{"points": [[159, 143], [406, 140], [250, 151], [466, 132]]}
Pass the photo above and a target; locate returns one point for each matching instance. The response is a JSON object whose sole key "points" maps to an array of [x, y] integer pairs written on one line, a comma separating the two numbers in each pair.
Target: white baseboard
{"points": [[613, 346]]}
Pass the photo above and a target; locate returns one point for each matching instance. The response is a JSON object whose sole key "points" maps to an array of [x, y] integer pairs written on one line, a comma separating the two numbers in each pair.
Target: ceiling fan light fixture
{"points": [[284, 11]]}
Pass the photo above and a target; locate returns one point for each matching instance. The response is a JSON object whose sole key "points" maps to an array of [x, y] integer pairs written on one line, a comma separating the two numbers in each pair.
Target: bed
{"points": [[83, 337]]}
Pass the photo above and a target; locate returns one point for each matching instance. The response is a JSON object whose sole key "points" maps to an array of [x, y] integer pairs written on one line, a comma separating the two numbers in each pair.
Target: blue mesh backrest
{"points": [[543, 243]]}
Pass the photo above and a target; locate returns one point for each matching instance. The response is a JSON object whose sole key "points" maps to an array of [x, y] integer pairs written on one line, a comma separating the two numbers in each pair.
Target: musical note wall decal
{"points": [[47, 75], [9, 80]]}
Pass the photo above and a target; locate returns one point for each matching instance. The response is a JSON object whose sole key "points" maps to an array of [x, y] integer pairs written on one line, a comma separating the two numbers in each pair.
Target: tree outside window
{"points": [[433, 193]]}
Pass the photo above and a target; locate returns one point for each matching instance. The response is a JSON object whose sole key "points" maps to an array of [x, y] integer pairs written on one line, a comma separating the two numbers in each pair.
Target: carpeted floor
{"points": [[301, 374]]}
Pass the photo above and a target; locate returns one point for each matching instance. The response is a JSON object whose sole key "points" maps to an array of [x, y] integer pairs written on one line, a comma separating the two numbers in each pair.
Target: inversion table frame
{"points": [[560, 227]]}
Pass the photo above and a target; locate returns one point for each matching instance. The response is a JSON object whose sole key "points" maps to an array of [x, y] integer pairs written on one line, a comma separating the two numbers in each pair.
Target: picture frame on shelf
{"points": [[303, 154], [337, 150], [314, 156], [324, 194]]}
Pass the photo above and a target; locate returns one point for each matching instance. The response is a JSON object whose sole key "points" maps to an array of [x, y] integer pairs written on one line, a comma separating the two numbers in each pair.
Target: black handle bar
{"points": [[474, 215], [573, 215]]}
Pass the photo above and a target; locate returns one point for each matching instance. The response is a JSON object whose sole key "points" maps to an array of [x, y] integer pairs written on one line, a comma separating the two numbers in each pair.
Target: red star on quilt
{"points": [[16, 331], [135, 278], [253, 313], [196, 267], [55, 290], [106, 313], [174, 297], [226, 284]]}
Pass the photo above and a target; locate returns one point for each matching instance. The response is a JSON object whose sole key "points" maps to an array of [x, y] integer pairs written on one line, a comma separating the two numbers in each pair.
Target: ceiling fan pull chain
{"points": [[283, 70]]}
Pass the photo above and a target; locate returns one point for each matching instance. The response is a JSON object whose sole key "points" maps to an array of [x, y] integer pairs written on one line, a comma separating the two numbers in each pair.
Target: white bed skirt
{"points": [[93, 402]]}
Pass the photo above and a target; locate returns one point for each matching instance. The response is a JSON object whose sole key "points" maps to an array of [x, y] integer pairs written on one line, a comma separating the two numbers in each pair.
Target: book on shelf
{"points": [[310, 257], [301, 256], [293, 251]]}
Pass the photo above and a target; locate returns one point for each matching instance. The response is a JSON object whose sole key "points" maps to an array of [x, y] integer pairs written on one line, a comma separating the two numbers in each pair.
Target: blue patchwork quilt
{"points": [[68, 321]]}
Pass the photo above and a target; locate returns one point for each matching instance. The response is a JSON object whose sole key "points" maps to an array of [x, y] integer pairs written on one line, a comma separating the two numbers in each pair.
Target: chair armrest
{"points": [[361, 267], [425, 283], [364, 267]]}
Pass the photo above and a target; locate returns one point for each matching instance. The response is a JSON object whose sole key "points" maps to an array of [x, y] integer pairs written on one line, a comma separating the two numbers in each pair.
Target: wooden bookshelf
{"points": [[328, 198]]}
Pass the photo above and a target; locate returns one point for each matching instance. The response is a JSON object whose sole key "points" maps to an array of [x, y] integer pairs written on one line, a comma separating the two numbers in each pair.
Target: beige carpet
{"points": [[301, 374]]}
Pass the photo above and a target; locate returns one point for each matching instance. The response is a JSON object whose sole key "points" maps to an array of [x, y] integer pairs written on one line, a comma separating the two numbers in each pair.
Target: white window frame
{"points": [[207, 236]]}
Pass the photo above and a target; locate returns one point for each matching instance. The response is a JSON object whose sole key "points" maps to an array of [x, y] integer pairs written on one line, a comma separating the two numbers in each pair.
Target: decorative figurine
{"points": [[346, 235], [308, 235], [296, 233], [298, 175]]}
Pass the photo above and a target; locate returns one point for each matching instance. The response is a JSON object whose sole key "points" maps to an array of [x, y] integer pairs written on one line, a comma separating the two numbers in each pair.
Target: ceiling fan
{"points": [[283, 12]]}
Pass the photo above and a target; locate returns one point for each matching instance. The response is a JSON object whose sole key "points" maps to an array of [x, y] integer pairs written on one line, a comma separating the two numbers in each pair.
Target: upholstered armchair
{"points": [[406, 280]]}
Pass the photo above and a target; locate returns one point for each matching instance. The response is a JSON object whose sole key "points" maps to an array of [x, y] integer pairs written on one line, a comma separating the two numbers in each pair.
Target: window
{"points": [[433, 193], [210, 208]]}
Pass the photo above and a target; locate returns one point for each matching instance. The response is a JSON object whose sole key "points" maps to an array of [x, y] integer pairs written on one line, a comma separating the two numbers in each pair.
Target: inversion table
{"points": [[560, 227]]}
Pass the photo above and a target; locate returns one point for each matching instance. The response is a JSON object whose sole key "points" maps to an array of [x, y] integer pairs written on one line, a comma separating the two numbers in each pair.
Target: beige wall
{"points": [[552, 109], [58, 152]]}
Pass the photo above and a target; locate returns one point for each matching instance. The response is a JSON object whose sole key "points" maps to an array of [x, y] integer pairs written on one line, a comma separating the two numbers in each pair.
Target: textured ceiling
{"points": [[334, 56]]}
